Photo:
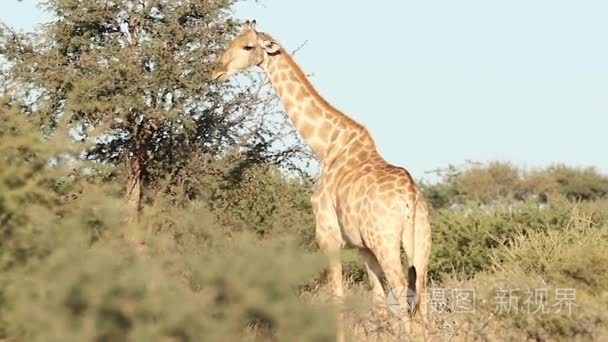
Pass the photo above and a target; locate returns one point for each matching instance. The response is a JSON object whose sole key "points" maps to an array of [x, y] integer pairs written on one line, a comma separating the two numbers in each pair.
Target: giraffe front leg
{"points": [[335, 279], [330, 247], [329, 239]]}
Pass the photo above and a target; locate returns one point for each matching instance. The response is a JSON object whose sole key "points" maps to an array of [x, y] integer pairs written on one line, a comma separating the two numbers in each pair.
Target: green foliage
{"points": [[503, 182], [110, 294], [68, 274], [133, 77], [465, 240], [571, 259], [243, 196], [229, 238], [476, 184], [228, 254], [28, 188], [574, 256], [267, 200], [579, 184]]}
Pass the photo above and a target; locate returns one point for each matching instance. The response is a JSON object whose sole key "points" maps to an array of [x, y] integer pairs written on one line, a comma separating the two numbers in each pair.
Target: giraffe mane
{"points": [[309, 86]]}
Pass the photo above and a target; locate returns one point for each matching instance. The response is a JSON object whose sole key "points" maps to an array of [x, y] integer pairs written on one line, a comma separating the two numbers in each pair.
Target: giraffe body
{"points": [[360, 200]]}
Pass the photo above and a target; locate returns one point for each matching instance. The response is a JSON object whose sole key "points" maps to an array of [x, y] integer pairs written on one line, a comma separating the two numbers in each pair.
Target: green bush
{"points": [[29, 190], [267, 201], [502, 182], [570, 260], [229, 253], [109, 294], [464, 240], [69, 274], [579, 183]]}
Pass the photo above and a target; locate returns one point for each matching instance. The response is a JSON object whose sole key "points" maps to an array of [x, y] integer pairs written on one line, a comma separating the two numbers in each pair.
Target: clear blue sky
{"points": [[438, 82]]}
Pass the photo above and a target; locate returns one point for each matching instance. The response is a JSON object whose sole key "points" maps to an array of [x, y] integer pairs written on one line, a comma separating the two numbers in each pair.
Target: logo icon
{"points": [[403, 295]]}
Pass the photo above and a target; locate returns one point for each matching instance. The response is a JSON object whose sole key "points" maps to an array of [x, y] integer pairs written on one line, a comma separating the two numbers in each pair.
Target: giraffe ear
{"points": [[249, 25], [269, 45]]}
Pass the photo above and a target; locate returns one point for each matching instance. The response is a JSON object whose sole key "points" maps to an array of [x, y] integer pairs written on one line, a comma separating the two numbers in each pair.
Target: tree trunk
{"points": [[134, 169], [142, 134], [134, 233]]}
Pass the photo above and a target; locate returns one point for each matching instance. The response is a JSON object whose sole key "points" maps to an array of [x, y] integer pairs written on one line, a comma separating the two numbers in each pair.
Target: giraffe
{"points": [[360, 200]]}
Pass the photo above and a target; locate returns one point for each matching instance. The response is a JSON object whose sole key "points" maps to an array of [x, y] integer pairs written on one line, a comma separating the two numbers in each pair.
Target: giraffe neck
{"points": [[325, 129]]}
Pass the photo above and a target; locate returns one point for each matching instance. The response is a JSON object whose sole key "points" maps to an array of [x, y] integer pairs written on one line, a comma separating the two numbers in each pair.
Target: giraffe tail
{"points": [[422, 254], [417, 244], [412, 294], [408, 243]]}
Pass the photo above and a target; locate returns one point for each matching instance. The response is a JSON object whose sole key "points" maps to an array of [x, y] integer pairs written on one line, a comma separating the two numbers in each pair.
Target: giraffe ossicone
{"points": [[360, 200]]}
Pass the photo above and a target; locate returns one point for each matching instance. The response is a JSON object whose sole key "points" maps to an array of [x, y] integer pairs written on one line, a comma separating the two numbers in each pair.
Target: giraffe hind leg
{"points": [[376, 276], [386, 248]]}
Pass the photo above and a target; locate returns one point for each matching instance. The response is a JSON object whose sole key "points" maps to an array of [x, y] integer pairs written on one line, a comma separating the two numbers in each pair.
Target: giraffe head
{"points": [[249, 48]]}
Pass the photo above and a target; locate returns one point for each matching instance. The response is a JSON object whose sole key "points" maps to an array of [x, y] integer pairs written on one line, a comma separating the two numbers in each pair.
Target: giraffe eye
{"points": [[248, 47]]}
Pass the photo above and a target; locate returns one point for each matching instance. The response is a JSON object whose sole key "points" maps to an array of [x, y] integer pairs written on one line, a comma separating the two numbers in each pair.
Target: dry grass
{"points": [[572, 260]]}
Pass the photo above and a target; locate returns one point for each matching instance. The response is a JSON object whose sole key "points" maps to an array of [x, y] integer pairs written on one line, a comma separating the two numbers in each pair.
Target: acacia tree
{"points": [[138, 71]]}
